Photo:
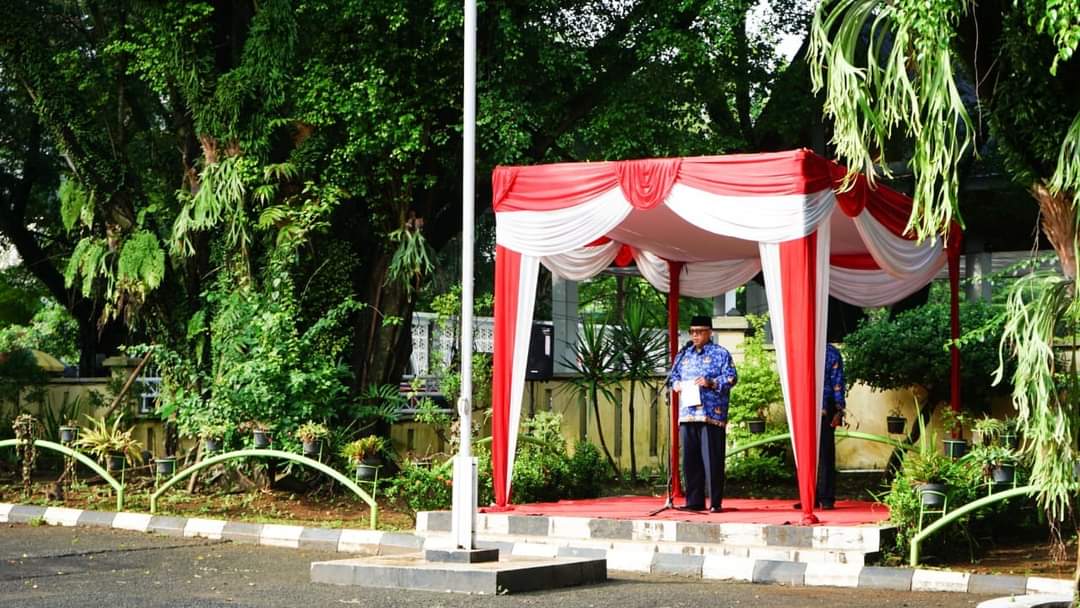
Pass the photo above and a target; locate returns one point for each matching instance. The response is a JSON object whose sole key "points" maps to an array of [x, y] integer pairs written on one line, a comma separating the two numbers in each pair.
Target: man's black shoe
{"points": [[797, 506], [828, 507], [718, 510], [690, 508]]}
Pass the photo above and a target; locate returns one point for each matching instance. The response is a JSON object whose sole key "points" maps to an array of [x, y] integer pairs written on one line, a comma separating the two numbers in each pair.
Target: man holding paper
{"points": [[703, 375]]}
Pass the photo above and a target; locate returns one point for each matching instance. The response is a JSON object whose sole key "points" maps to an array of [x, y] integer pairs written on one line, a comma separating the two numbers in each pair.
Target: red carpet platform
{"points": [[743, 510]]}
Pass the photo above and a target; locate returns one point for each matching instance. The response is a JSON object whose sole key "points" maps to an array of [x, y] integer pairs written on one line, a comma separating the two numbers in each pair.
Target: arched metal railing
{"points": [[952, 516], [304, 460], [83, 458], [840, 433]]}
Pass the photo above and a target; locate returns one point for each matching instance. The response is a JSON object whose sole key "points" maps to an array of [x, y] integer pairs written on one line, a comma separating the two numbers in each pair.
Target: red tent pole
{"points": [[674, 270], [954, 319]]}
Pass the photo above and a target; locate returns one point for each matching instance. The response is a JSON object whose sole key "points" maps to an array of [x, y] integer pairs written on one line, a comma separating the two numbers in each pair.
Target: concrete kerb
{"points": [[621, 556]]}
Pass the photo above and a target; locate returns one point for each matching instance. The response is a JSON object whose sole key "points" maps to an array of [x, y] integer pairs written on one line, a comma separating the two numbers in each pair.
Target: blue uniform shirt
{"points": [[713, 362], [833, 399]]}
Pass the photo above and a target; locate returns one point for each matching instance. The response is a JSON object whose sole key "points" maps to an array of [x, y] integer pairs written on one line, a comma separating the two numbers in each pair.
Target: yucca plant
{"points": [[642, 351], [595, 358]]}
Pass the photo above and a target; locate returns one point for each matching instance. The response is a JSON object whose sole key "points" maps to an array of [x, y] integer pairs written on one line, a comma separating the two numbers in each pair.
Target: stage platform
{"points": [[622, 530], [736, 510]]}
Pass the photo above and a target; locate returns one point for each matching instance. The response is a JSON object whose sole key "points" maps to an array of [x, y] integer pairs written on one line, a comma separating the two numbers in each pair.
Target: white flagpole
{"points": [[464, 500]]}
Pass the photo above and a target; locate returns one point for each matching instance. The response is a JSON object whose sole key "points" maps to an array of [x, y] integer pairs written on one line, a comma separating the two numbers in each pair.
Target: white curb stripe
{"points": [[358, 541], [139, 522], [727, 568], [1039, 584], [274, 535], [820, 574], [628, 558], [534, 550], [204, 528], [5, 508], [61, 516]]}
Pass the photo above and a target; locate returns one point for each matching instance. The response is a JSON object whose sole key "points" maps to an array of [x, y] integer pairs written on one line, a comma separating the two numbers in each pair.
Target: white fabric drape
{"points": [[895, 255], [582, 263], [530, 268], [870, 288], [699, 279], [544, 233], [774, 293], [769, 219]]}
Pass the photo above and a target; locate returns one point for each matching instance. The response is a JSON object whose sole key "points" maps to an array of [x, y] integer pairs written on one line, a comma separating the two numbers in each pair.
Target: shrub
{"points": [[423, 488], [757, 468], [759, 382], [589, 474]]}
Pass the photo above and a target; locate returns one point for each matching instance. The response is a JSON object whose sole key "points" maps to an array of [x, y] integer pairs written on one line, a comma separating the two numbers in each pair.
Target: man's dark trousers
{"points": [[826, 473], [704, 447]]}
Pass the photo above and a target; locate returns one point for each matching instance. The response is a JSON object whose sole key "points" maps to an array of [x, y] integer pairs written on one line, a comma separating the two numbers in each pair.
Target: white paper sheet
{"points": [[689, 393]]}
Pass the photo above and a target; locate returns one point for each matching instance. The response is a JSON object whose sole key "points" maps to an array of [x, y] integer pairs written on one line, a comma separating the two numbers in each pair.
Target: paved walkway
{"points": [[61, 567]]}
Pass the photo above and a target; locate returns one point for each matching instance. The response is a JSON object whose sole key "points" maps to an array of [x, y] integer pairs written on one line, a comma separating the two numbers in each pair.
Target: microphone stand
{"points": [[669, 503]]}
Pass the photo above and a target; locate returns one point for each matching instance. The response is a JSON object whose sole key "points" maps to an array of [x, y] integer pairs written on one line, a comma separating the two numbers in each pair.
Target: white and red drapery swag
{"points": [[701, 227]]}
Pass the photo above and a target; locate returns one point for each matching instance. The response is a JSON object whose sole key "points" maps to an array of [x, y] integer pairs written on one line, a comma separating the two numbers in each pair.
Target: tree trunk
{"points": [[1059, 225], [600, 431]]}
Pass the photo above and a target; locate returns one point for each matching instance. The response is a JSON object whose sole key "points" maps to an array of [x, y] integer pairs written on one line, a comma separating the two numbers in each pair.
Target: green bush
{"points": [[759, 382], [422, 487], [757, 468], [589, 474]]}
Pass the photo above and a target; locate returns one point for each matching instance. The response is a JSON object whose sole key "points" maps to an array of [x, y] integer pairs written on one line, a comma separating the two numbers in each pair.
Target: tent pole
{"points": [[954, 321], [674, 270]]}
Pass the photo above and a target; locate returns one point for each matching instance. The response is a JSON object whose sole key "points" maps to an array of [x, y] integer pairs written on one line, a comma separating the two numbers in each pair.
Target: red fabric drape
{"points": [[954, 320], [646, 183], [550, 187], [674, 270], [507, 280], [854, 261], [798, 264], [772, 174]]}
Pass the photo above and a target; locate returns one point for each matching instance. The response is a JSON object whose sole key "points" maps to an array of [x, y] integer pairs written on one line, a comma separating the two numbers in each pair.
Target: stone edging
{"points": [[620, 556]]}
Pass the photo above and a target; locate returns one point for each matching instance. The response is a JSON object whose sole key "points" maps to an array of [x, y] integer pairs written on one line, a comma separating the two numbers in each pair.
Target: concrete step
{"points": [[642, 545]]}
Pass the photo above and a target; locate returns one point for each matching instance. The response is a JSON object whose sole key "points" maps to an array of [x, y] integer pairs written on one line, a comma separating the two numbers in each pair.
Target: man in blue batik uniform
{"points": [[832, 416], [702, 427]]}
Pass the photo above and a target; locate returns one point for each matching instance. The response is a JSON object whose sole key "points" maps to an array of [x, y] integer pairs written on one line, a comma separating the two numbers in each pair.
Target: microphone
{"points": [[688, 344]]}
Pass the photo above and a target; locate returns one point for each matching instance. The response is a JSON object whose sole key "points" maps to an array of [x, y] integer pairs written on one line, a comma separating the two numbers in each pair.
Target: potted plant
{"points": [[953, 423], [364, 454], [109, 443], [166, 465], [757, 423], [895, 420], [928, 468], [989, 430], [212, 435], [997, 462], [312, 434], [69, 432], [260, 433], [1010, 434]]}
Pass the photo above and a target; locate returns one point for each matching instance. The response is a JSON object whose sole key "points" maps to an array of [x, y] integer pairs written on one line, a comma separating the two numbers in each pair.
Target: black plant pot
{"points": [[262, 440], [311, 448], [955, 448], [116, 462], [757, 426], [928, 494], [1003, 473], [212, 446], [896, 424], [68, 434], [365, 471], [166, 466]]}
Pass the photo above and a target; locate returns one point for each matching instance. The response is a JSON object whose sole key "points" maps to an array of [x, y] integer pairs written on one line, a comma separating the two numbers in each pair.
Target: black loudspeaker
{"points": [[541, 362]]}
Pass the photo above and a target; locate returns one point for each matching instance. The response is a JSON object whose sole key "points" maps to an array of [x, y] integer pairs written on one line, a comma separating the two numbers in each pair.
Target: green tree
{"points": [[595, 360]]}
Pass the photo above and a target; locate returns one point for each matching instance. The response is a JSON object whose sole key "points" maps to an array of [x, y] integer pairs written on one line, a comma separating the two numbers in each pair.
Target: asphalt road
{"points": [[54, 567]]}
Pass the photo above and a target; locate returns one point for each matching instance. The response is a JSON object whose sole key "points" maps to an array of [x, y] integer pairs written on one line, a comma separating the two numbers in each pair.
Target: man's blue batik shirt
{"points": [[833, 398], [713, 362]]}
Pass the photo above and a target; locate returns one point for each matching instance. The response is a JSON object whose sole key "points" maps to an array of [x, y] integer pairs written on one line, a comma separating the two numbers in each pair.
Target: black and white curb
{"points": [[621, 556]]}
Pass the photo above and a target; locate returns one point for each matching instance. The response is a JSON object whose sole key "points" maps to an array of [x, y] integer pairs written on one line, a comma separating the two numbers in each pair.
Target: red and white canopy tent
{"points": [[701, 227]]}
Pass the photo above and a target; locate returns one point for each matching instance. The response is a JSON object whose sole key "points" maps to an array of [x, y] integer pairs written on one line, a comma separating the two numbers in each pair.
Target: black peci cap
{"points": [[701, 321]]}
